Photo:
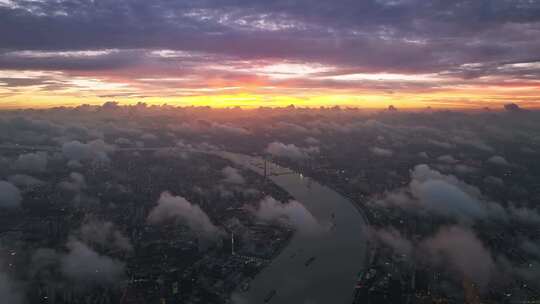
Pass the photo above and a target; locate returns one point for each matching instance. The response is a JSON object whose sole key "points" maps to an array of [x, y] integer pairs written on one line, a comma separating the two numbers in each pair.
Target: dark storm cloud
{"points": [[374, 35]]}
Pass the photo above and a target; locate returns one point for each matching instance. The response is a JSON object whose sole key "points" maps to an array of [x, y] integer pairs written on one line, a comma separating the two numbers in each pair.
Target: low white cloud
{"points": [[84, 265], [449, 159], [292, 213], [229, 129], [290, 151], [123, 141], [32, 162], [25, 181], [498, 160], [104, 234], [312, 141], [459, 249], [149, 137], [464, 169], [454, 248], [177, 208], [444, 198], [75, 183], [232, 176], [392, 238], [381, 152], [93, 150], [473, 142], [524, 215], [444, 195]]}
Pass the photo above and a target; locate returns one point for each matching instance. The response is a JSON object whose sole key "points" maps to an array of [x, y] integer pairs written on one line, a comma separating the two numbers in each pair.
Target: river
{"points": [[339, 251]]}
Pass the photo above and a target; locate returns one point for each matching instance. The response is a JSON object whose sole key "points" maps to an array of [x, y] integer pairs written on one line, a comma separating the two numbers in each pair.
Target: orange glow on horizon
{"points": [[455, 99], [253, 90]]}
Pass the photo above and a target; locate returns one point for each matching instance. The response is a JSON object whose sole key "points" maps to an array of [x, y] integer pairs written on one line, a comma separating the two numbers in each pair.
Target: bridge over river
{"points": [[318, 267]]}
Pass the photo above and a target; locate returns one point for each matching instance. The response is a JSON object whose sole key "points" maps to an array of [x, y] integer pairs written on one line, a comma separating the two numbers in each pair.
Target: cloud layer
{"points": [[133, 49]]}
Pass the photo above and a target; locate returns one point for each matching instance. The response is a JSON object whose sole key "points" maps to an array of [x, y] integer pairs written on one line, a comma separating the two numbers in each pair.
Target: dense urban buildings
{"points": [[269, 151], [145, 204]]}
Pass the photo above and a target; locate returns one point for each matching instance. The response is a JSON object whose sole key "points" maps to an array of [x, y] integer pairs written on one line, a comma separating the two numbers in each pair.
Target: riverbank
{"points": [[339, 255]]}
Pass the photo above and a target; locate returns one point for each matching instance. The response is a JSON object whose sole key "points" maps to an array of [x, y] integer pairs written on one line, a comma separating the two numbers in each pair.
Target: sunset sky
{"points": [[250, 53]]}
